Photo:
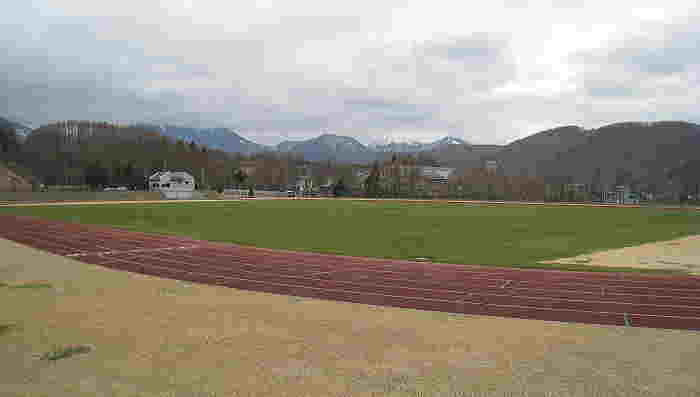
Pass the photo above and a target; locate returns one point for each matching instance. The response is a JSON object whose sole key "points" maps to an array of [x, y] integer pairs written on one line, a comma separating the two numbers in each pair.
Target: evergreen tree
{"points": [[372, 181], [240, 176], [8, 140], [596, 184]]}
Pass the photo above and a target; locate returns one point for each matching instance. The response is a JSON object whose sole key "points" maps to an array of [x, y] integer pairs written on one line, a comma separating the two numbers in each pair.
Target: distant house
{"points": [[621, 195], [437, 174], [434, 181], [491, 165], [173, 185], [361, 173]]}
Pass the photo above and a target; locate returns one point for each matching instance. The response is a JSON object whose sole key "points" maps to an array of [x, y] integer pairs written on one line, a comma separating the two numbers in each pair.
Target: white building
{"points": [[437, 174], [173, 185], [621, 195], [361, 173]]}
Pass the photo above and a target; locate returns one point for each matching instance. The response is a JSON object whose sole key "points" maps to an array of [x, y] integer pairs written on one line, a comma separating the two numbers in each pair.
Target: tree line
{"points": [[402, 178], [97, 154]]}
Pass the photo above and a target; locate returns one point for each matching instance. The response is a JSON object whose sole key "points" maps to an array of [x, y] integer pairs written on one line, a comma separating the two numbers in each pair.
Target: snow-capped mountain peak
{"points": [[22, 129], [453, 141], [414, 146]]}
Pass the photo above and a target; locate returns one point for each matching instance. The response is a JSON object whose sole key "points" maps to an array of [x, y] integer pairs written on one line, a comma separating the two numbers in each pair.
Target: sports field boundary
{"points": [[384, 200]]}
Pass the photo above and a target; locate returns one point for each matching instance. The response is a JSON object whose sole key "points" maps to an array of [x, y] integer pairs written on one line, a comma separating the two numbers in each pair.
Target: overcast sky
{"points": [[407, 70]]}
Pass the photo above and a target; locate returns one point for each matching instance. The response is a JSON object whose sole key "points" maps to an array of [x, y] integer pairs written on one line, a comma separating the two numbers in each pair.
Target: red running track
{"points": [[583, 297]]}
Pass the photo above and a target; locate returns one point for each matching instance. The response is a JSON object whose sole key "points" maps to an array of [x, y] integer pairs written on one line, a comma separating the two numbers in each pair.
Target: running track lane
{"points": [[596, 298]]}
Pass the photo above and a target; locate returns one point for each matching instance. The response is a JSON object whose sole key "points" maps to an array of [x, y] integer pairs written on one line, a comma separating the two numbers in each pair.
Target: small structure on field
{"points": [[173, 185]]}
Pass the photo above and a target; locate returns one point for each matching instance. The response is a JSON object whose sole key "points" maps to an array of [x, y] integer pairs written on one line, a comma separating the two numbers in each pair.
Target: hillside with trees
{"points": [[531, 155], [100, 154], [330, 147], [224, 139], [658, 158], [645, 156]]}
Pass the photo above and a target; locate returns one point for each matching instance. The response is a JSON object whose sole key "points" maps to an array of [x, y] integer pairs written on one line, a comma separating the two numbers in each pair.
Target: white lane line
{"points": [[329, 272], [118, 252]]}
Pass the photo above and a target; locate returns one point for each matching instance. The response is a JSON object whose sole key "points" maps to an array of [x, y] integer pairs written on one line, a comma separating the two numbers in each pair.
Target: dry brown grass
{"points": [[680, 254], [158, 337]]}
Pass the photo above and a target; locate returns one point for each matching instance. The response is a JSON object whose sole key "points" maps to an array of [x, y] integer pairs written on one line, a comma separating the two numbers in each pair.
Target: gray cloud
{"points": [[293, 71], [478, 49], [663, 51], [381, 109], [647, 77]]}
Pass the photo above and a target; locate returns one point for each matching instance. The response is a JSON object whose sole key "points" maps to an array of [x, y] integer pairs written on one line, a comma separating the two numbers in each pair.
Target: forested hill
{"points": [[638, 154], [78, 152]]}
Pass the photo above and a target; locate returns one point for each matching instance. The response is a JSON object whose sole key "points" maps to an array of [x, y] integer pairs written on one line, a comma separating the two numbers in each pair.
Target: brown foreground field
{"points": [[159, 337]]}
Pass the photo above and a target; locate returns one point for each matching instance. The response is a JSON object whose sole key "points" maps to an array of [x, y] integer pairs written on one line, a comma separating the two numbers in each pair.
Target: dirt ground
{"points": [[680, 254], [160, 337]]}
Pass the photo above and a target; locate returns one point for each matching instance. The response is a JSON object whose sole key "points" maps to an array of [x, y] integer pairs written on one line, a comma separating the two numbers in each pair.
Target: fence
{"points": [[241, 193]]}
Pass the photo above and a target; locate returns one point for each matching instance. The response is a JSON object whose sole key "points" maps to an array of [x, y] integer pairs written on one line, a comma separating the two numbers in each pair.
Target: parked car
{"points": [[291, 193]]}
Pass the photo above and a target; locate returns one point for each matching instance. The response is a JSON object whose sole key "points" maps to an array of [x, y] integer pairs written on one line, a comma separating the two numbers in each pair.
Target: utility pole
{"points": [[202, 183]]}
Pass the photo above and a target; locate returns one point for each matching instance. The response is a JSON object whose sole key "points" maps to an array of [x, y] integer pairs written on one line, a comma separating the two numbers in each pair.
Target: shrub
{"points": [[59, 352], [32, 285], [5, 328]]}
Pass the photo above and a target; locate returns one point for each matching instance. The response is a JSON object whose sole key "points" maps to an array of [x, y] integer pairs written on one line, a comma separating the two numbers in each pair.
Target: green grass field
{"points": [[495, 235]]}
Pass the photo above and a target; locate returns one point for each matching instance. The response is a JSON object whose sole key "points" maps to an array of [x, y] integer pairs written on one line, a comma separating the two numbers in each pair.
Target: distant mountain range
{"points": [[415, 147], [324, 147], [217, 138], [20, 128], [628, 152], [330, 147]]}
